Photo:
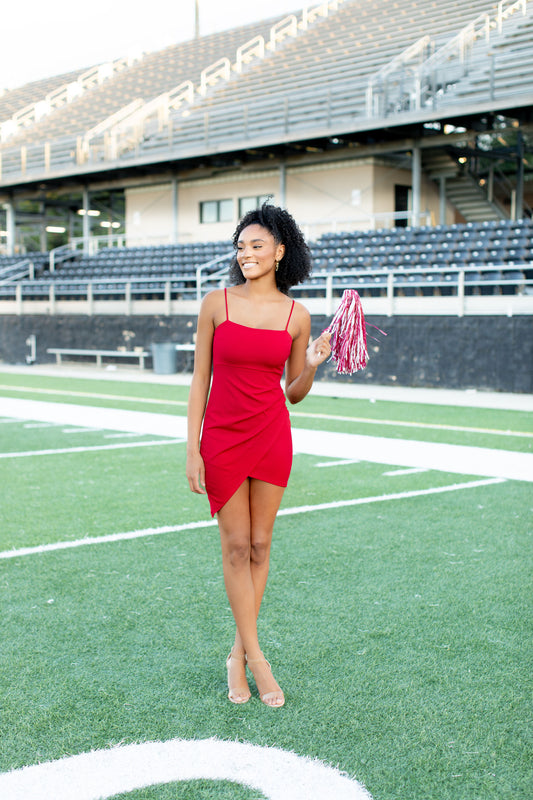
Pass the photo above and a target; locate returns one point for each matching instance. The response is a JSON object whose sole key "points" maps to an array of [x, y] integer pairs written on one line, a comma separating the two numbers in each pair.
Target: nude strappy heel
{"points": [[274, 699], [237, 694]]}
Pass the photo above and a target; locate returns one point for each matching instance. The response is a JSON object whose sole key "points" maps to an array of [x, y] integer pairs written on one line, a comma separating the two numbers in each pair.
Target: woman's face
{"points": [[257, 252]]}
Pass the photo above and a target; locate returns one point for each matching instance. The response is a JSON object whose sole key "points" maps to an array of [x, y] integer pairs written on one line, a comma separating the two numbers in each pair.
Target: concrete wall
{"points": [[492, 353]]}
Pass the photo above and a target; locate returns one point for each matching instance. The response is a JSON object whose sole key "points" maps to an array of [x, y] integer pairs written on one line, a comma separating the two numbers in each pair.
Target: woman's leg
{"points": [[234, 525], [264, 504], [246, 523]]}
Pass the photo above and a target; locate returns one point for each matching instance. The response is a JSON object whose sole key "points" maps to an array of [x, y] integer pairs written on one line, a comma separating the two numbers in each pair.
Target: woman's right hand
{"points": [[195, 471]]}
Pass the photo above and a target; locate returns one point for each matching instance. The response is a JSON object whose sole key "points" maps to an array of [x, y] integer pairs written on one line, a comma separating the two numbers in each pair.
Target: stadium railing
{"points": [[457, 291]]}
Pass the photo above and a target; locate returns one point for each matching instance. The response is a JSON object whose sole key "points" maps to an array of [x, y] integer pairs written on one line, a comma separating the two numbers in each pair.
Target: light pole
{"points": [[196, 19]]}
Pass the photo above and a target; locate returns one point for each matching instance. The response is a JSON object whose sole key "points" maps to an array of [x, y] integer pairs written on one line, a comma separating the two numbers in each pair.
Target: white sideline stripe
{"points": [[284, 512], [89, 449], [458, 459], [63, 393], [302, 414], [406, 424], [101, 774], [454, 458], [116, 419]]}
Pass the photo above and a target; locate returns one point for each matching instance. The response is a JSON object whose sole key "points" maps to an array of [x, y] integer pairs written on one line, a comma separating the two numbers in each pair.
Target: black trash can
{"points": [[165, 358]]}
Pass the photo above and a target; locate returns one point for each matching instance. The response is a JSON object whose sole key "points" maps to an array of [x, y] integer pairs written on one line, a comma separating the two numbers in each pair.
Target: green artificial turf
{"points": [[193, 790], [399, 630]]}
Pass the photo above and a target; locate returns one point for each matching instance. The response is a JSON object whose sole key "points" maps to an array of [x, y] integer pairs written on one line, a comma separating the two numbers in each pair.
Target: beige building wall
{"points": [[326, 195], [346, 195], [149, 214], [232, 187]]}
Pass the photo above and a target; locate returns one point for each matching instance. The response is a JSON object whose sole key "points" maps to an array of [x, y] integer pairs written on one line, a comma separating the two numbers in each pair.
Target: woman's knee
{"points": [[236, 549], [260, 549]]}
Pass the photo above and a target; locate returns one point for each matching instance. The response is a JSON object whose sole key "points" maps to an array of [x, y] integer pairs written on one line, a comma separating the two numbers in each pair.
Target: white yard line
{"points": [[127, 398], [406, 424], [89, 448], [343, 463], [284, 512]]}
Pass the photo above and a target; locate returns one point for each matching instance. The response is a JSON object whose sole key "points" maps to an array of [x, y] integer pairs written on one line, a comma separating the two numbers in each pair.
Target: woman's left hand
{"points": [[319, 350]]}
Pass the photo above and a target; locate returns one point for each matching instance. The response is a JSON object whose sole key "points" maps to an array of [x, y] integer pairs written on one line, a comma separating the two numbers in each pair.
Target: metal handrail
{"points": [[19, 269]]}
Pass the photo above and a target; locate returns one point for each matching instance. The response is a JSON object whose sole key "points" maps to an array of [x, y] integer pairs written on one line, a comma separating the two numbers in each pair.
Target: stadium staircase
{"points": [[461, 188]]}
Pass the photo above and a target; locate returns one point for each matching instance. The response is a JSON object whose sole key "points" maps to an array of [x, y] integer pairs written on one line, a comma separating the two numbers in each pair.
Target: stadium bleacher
{"points": [[316, 80], [495, 258], [154, 74]]}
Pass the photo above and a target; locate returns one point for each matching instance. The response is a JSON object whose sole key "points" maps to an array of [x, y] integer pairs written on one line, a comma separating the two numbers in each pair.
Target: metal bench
{"points": [[59, 352]]}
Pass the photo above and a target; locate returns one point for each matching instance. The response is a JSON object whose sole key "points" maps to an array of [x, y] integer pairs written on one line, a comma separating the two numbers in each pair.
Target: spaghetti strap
{"points": [[290, 315], [226, 299]]}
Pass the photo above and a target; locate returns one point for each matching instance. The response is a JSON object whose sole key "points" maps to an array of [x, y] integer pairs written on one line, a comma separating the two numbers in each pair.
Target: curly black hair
{"points": [[295, 265]]}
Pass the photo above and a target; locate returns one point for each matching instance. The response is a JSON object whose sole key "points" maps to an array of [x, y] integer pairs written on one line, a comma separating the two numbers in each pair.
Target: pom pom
{"points": [[348, 335]]}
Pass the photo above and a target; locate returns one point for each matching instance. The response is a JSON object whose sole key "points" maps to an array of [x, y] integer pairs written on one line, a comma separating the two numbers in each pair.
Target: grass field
{"points": [[398, 626]]}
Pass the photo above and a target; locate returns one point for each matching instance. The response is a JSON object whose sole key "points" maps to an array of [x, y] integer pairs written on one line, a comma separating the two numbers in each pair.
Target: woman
{"points": [[248, 334]]}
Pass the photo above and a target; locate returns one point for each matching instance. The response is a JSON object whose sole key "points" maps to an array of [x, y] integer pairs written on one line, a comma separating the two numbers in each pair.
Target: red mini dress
{"points": [[246, 431]]}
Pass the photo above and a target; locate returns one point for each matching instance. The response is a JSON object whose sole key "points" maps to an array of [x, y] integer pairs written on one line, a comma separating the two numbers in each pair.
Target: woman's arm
{"points": [[199, 391], [305, 358]]}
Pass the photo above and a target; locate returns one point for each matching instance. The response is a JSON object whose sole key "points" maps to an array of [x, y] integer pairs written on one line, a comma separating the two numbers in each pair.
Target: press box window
{"points": [[251, 203], [216, 211]]}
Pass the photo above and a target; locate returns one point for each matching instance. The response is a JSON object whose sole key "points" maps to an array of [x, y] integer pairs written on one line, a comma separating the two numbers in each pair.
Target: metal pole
{"points": [[282, 185], [415, 180], [442, 200], [175, 229], [10, 228], [519, 210], [86, 221]]}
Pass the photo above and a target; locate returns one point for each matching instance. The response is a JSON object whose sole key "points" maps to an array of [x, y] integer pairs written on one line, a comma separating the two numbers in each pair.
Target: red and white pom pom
{"points": [[348, 335]]}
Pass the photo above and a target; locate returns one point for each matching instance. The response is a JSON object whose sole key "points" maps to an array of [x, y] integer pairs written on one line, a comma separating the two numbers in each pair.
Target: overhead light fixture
{"points": [[92, 212], [55, 229]]}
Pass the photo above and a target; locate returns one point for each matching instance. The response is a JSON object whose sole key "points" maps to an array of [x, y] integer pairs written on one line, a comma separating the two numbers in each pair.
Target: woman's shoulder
{"points": [[300, 320], [213, 300], [301, 312]]}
